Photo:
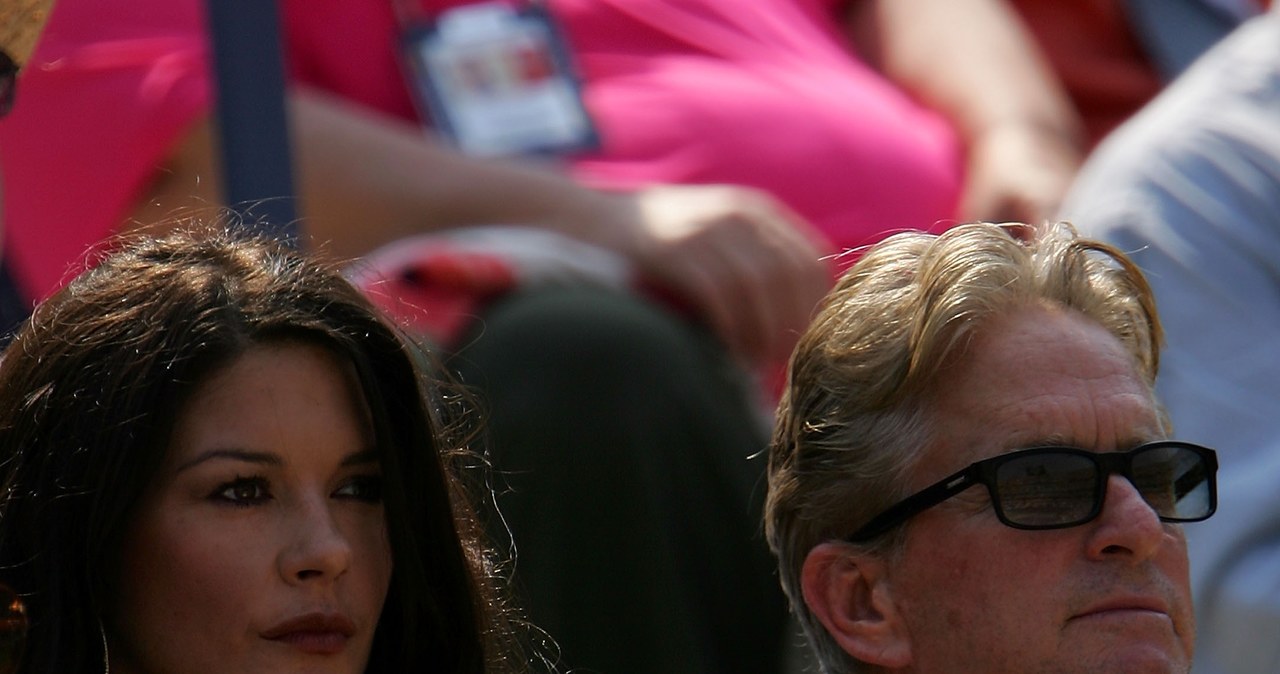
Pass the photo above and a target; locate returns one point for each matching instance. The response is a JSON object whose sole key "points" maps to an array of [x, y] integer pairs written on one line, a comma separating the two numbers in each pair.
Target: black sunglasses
{"points": [[1060, 487], [8, 82]]}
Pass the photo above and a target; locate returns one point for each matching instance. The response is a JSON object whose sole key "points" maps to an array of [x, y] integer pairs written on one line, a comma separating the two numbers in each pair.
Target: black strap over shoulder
{"points": [[249, 69]]}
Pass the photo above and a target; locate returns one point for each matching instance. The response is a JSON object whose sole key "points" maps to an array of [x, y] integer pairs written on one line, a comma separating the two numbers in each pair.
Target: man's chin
{"points": [[1142, 657]]}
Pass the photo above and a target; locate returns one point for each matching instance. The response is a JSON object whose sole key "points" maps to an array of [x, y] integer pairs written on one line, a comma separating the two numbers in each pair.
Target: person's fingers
{"points": [[778, 271], [696, 275], [799, 274], [779, 279], [755, 293], [1017, 174], [752, 267]]}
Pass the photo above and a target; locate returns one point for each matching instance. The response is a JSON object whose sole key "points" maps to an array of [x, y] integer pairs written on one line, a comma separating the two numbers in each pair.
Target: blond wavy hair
{"points": [[851, 423]]}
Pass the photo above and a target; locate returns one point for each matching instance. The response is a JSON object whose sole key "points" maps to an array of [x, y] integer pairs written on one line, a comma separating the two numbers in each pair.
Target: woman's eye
{"points": [[366, 488], [243, 491]]}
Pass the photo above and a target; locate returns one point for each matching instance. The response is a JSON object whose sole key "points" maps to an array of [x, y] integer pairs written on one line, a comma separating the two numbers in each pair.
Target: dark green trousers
{"points": [[622, 434]]}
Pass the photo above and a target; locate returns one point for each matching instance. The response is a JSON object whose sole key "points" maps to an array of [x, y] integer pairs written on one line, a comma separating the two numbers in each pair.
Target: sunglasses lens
{"points": [[1175, 481], [1047, 490]]}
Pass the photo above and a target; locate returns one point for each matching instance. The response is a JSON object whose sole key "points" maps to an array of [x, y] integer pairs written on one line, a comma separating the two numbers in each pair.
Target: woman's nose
{"points": [[315, 546]]}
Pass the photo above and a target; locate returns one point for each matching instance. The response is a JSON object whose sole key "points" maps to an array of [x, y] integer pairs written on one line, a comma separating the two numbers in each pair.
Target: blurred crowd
{"points": [[621, 306]]}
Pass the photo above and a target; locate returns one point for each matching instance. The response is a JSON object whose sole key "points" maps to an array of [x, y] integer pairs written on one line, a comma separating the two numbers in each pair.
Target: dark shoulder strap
{"points": [[249, 70]]}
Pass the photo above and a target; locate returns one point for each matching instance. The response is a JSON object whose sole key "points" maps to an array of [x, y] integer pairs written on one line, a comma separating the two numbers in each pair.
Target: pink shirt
{"points": [[760, 93], [112, 86]]}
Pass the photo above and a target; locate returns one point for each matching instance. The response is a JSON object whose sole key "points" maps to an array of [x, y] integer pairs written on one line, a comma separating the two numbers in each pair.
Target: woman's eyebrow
{"points": [[361, 458], [244, 455]]}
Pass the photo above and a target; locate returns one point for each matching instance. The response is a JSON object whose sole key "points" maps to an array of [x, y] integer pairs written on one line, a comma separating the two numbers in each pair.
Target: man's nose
{"points": [[1127, 526]]}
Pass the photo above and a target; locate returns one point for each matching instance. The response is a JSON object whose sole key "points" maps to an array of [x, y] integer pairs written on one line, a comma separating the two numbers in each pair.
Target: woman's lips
{"points": [[315, 633], [316, 643]]}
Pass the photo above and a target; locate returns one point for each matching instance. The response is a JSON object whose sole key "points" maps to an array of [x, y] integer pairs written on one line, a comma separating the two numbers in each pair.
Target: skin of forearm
{"points": [[365, 179], [972, 60], [733, 255], [386, 179]]}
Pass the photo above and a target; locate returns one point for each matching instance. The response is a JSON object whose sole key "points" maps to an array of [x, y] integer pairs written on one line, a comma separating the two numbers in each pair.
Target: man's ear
{"points": [[849, 593]]}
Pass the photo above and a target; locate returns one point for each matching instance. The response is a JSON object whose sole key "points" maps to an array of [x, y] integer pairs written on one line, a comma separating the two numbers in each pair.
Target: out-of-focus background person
{"points": [[21, 22], [1113, 56]]}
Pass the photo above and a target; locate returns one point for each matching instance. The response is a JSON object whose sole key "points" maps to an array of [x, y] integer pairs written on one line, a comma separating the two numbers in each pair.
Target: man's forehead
{"points": [[1040, 376]]}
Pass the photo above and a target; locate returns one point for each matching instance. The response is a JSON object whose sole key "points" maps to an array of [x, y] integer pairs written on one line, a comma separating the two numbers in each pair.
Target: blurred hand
{"points": [[752, 268], [1018, 173]]}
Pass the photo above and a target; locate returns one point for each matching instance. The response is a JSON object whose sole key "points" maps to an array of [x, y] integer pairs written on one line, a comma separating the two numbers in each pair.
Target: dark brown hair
{"points": [[89, 390]]}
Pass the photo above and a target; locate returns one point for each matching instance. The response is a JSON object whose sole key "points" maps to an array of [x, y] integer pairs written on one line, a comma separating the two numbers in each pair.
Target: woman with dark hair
{"points": [[216, 456]]}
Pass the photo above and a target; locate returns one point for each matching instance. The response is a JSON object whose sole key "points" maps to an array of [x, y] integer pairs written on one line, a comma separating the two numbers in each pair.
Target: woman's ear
{"points": [[850, 594]]}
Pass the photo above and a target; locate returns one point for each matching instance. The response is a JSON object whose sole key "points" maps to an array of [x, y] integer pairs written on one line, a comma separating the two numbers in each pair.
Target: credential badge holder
{"points": [[498, 80]]}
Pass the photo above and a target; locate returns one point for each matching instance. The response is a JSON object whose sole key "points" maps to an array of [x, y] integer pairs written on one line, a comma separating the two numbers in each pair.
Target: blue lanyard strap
{"points": [[249, 69]]}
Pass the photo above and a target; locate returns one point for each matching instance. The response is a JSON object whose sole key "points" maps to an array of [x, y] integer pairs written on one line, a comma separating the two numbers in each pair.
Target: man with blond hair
{"points": [[970, 471]]}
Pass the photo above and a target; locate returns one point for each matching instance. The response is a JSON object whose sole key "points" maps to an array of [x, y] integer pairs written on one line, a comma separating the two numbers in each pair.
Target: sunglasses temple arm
{"points": [[916, 503]]}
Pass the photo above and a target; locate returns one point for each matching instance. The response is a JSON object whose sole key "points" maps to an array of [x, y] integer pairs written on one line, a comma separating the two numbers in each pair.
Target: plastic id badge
{"points": [[497, 80]]}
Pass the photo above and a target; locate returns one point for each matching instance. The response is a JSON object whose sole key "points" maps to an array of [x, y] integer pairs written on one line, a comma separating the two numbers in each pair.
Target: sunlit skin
{"points": [[965, 594], [976, 596], [262, 547]]}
